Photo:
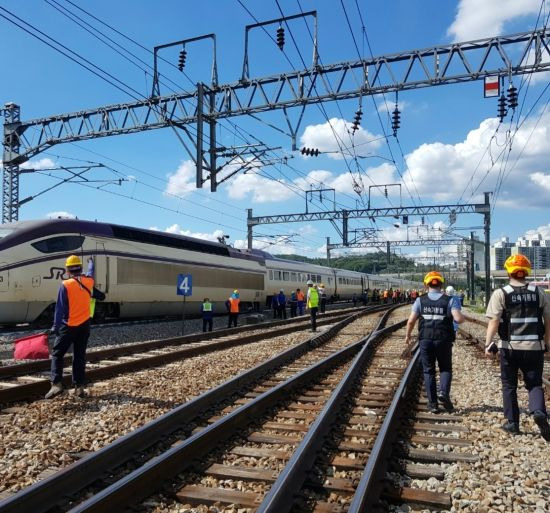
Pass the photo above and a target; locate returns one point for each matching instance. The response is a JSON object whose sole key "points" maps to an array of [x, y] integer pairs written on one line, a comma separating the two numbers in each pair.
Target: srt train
{"points": [[137, 270]]}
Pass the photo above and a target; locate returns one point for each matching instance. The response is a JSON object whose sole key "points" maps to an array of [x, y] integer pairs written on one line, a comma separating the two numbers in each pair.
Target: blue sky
{"points": [[446, 132]]}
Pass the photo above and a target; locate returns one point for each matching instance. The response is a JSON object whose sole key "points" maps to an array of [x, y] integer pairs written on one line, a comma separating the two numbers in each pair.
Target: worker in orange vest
{"points": [[72, 325], [300, 297], [385, 295], [233, 307]]}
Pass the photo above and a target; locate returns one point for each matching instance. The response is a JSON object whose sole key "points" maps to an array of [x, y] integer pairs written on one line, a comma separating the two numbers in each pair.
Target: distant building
{"points": [[463, 250], [536, 249], [499, 252]]}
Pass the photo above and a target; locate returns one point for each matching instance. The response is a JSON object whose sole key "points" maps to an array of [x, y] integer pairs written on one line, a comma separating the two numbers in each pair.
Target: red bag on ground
{"points": [[33, 347]]}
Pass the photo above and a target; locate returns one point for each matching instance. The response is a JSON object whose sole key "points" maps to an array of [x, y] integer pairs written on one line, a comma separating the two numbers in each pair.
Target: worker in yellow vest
{"points": [[312, 303]]}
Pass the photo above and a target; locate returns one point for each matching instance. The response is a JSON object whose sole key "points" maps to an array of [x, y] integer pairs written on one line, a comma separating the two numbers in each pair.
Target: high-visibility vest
{"points": [[300, 296], [207, 307], [79, 299], [234, 304], [313, 298]]}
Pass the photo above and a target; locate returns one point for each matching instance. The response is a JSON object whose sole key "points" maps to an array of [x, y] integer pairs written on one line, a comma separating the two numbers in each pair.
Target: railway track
{"points": [[320, 430], [176, 426], [27, 381]]}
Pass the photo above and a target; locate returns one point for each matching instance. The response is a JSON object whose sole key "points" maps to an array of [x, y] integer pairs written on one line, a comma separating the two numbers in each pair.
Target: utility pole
{"points": [[472, 267], [487, 230], [11, 159], [328, 251], [249, 229]]}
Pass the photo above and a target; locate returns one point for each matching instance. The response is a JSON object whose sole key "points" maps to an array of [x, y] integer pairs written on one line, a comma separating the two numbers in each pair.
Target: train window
{"points": [[286, 276], [318, 278], [292, 276], [271, 274], [55, 244], [277, 275]]}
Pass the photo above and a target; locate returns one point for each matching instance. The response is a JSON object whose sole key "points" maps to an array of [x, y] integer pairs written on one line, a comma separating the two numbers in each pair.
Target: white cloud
{"points": [[263, 190], [44, 163], [183, 180], [541, 179], [543, 230], [335, 136], [443, 171], [60, 215], [178, 230], [480, 19]]}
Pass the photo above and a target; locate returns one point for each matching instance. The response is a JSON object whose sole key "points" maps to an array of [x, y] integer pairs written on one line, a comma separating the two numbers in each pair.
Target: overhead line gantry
{"points": [[502, 56]]}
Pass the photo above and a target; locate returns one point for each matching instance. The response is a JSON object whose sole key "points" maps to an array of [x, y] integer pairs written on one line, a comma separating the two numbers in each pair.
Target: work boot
{"points": [[446, 402], [511, 427], [432, 408], [56, 389], [541, 419], [79, 391]]}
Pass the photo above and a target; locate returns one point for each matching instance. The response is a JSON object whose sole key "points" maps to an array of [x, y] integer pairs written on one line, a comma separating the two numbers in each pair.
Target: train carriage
{"points": [[138, 268]]}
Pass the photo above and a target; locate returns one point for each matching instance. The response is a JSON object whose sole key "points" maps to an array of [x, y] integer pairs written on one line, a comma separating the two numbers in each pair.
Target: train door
{"points": [[101, 268], [4, 278]]}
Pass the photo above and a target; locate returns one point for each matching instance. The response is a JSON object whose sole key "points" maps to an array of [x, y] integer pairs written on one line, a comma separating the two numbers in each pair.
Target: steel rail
{"points": [[150, 477], [43, 495], [19, 369], [368, 490], [293, 476], [27, 391]]}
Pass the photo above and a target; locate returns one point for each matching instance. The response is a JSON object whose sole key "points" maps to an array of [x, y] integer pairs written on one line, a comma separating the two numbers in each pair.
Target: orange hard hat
{"points": [[433, 278], [518, 264]]}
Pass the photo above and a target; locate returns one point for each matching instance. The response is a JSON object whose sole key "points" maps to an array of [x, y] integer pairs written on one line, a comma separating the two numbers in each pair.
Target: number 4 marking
{"points": [[184, 285]]}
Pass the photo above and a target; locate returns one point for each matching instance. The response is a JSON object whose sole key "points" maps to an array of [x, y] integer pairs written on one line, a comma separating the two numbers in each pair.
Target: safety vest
{"points": [[234, 304], [207, 307], [79, 299], [521, 319], [300, 296], [435, 321], [385, 293], [313, 298]]}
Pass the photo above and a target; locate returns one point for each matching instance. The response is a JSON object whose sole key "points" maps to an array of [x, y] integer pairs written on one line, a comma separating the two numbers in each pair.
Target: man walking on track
{"points": [[72, 325], [520, 313], [233, 307], [436, 312], [312, 303]]}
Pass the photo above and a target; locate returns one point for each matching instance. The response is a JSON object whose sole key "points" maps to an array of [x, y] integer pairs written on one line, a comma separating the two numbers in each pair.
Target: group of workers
{"points": [[297, 301], [518, 312]]}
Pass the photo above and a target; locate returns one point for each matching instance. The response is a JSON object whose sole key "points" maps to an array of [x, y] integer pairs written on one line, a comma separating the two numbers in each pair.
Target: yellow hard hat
{"points": [[518, 265], [73, 261], [432, 278]]}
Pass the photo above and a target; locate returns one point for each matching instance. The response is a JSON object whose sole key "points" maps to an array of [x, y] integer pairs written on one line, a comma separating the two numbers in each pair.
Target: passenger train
{"points": [[137, 270]]}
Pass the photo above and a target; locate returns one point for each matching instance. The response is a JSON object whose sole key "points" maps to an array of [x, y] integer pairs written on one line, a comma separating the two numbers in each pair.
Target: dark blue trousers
{"points": [[531, 365], [77, 336], [442, 352]]}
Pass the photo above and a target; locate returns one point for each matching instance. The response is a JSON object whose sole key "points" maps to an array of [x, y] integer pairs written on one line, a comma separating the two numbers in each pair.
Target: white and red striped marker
{"points": [[491, 87]]}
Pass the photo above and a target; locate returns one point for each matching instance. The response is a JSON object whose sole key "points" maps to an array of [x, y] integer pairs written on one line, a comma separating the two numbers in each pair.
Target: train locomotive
{"points": [[137, 270]]}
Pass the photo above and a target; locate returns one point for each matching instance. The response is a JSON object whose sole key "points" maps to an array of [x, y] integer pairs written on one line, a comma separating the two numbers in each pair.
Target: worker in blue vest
{"points": [[520, 313], [281, 308], [207, 311], [436, 312]]}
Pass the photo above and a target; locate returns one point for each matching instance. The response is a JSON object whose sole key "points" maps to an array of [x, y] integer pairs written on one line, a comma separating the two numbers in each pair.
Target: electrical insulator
{"points": [[512, 97], [280, 38], [502, 110], [405, 219], [386, 192], [310, 152], [395, 122], [357, 119], [181, 60]]}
